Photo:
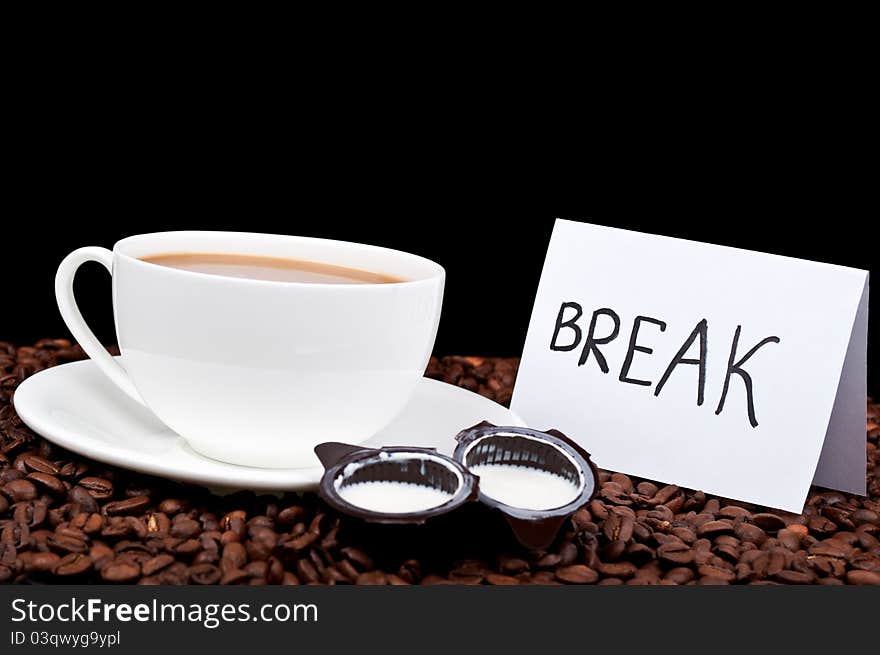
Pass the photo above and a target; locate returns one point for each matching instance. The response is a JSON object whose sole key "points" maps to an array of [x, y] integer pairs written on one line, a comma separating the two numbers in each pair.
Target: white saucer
{"points": [[76, 407]]}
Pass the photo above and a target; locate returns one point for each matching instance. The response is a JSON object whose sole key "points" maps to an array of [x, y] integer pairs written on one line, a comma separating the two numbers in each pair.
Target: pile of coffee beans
{"points": [[67, 519]]}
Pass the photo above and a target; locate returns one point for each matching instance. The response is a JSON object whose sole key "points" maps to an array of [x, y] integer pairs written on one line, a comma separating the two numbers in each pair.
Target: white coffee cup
{"points": [[256, 372]]}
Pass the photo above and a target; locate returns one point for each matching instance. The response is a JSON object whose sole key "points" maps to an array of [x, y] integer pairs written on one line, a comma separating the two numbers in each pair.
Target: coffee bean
{"points": [[206, 557], [734, 512], [134, 505], [827, 566], [93, 523], [80, 498], [38, 464], [863, 577], [174, 576], [568, 553], [713, 528], [157, 563], [302, 542], [8, 552], [512, 565], [121, 571], [100, 554], [9, 474], [577, 574], [275, 572], [863, 516], [16, 534], [775, 562], [838, 516], [647, 489], [727, 552], [539, 578], [72, 470], [187, 547], [613, 493], [716, 573], [291, 515], [255, 569], [372, 578], [67, 544], [846, 538], [234, 576], [73, 564], [289, 579], [675, 554], [203, 574], [39, 562], [48, 482], [158, 523], [234, 556], [686, 535], [750, 533], [768, 522], [31, 512], [828, 549], [679, 575], [359, 558], [598, 510], [98, 488], [821, 527], [261, 544], [665, 494], [318, 561], [619, 525], [19, 490], [621, 570], [794, 577], [330, 540], [581, 519], [347, 569], [865, 562], [614, 549], [305, 570], [170, 506], [623, 481], [549, 561]]}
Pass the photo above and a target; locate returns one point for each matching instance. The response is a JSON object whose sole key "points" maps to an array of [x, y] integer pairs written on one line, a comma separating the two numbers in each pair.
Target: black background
{"points": [[480, 202]]}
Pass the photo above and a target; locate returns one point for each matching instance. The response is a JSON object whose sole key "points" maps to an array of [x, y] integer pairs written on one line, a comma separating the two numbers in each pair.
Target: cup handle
{"points": [[77, 325]]}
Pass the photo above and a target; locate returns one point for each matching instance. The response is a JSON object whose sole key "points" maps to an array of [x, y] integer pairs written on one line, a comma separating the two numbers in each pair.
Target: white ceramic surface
{"points": [[257, 372], [78, 408]]}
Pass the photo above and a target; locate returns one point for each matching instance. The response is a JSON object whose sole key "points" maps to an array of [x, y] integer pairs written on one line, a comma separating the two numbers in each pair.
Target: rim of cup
{"points": [[124, 247]]}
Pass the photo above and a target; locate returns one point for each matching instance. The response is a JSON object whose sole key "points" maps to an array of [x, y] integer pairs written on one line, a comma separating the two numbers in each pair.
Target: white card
{"points": [[703, 309]]}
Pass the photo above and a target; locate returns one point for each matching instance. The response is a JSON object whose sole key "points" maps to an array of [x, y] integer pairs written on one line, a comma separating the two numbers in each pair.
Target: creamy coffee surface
{"points": [[275, 269], [393, 497], [524, 486]]}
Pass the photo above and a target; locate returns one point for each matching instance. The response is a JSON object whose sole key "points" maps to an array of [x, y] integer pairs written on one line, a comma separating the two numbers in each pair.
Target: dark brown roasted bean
{"points": [[74, 564], [577, 574], [134, 505], [98, 488], [120, 571]]}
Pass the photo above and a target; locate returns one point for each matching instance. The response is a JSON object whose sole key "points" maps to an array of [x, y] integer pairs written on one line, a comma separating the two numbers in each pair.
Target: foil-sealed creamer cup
{"points": [[446, 483], [550, 454], [347, 465]]}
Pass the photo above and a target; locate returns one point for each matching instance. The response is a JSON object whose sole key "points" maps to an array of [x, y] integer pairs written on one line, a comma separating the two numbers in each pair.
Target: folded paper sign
{"points": [[736, 372]]}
